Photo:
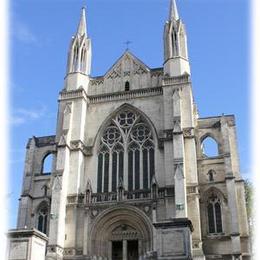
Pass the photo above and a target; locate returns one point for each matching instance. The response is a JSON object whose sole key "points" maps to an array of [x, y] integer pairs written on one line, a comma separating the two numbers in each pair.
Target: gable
{"points": [[128, 73], [127, 65]]}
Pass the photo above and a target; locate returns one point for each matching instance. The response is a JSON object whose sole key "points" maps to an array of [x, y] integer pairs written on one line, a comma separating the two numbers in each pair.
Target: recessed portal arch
{"points": [[123, 224]]}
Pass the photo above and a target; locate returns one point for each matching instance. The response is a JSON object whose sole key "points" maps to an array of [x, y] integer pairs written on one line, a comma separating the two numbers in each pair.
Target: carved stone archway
{"points": [[120, 223]]}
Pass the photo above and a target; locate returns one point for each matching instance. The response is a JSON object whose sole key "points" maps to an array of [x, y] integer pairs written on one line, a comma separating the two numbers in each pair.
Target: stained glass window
{"points": [[127, 140]]}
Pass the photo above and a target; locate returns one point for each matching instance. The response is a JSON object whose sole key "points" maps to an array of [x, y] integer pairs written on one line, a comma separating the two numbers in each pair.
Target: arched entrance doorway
{"points": [[121, 232]]}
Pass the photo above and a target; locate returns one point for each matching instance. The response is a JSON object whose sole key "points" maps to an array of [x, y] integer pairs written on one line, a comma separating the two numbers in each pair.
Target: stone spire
{"points": [[82, 28], [174, 15], [79, 57], [175, 45]]}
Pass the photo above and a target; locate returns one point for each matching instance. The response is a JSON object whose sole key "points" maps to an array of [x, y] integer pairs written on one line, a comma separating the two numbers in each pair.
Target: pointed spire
{"points": [[174, 15], [82, 28]]}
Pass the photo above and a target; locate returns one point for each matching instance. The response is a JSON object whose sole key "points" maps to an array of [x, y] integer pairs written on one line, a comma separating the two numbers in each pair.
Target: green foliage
{"points": [[249, 198]]}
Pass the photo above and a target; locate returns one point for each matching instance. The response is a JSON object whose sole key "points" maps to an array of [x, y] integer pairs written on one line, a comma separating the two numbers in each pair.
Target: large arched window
{"points": [[126, 154], [47, 164], [214, 214], [42, 218], [210, 147]]}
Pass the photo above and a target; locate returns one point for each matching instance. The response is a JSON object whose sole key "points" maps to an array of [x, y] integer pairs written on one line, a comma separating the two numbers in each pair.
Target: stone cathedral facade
{"points": [[130, 178]]}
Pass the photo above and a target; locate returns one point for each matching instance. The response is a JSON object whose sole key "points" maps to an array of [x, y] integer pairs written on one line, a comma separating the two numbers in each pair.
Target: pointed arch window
{"points": [[75, 57], [209, 147], [214, 215], [127, 86], [126, 153], [47, 164], [83, 58], [42, 219]]}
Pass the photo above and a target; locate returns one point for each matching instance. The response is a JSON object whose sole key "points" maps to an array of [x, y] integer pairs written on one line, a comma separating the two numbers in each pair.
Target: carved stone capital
{"points": [[79, 145], [168, 134], [188, 132], [76, 144], [88, 150]]}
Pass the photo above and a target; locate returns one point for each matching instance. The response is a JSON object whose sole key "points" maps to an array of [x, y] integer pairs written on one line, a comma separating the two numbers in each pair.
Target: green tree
{"points": [[249, 199]]}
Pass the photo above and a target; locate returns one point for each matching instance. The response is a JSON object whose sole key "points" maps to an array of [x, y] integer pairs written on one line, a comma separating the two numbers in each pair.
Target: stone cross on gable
{"points": [[127, 44]]}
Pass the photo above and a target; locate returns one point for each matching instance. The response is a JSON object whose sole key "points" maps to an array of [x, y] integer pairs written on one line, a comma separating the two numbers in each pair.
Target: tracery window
{"points": [[126, 154], [214, 215], [42, 219]]}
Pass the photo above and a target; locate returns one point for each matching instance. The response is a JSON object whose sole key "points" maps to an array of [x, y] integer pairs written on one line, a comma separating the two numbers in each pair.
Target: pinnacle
{"points": [[174, 15], [82, 28]]}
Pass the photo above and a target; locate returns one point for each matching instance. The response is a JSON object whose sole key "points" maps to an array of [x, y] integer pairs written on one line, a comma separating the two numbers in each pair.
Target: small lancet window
{"points": [[42, 219], [210, 147], [75, 57], [127, 86], [214, 215], [47, 164]]}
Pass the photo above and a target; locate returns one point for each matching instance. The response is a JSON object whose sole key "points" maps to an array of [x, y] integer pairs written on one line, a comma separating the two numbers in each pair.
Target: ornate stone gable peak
{"points": [[126, 66]]}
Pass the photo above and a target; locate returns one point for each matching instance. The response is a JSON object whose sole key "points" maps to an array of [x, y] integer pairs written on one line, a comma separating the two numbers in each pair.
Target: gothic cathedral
{"points": [[130, 178]]}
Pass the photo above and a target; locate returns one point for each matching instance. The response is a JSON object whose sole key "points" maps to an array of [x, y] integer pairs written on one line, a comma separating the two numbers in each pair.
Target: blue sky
{"points": [[40, 33]]}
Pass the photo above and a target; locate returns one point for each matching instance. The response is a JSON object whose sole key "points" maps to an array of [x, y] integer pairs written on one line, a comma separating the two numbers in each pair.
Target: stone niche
{"points": [[24, 244], [173, 239]]}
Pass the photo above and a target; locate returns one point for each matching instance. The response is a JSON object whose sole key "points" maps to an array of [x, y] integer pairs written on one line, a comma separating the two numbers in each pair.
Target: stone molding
{"points": [[175, 222], [55, 249], [73, 94], [72, 251], [168, 81], [18, 233], [125, 95], [178, 160]]}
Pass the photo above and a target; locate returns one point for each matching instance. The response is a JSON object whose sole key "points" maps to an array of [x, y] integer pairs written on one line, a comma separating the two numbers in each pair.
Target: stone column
{"points": [[178, 160], [167, 143], [86, 232], [58, 205], [231, 190], [110, 249], [60, 184], [124, 249], [140, 246], [191, 173]]}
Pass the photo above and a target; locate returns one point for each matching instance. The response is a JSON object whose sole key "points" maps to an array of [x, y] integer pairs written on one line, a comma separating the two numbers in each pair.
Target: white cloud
{"points": [[16, 120], [23, 115], [23, 33], [32, 114]]}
